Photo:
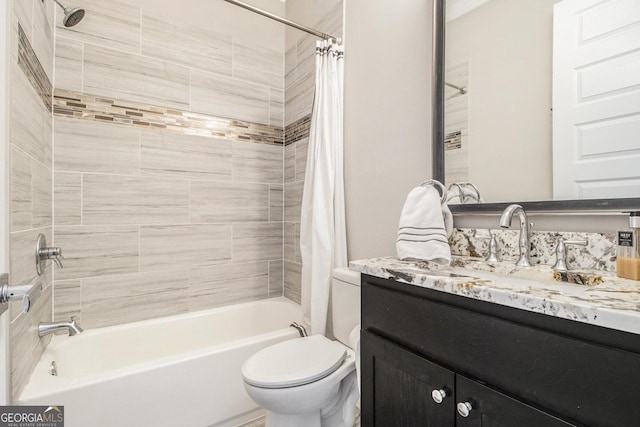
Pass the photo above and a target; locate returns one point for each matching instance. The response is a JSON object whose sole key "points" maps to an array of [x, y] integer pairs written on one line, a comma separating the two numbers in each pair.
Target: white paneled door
{"points": [[596, 99]]}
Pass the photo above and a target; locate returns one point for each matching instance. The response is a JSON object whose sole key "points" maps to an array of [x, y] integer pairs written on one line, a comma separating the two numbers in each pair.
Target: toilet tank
{"points": [[345, 302]]}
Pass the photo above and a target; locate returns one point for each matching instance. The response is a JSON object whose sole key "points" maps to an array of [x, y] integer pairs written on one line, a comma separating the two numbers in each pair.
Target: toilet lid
{"points": [[294, 362]]}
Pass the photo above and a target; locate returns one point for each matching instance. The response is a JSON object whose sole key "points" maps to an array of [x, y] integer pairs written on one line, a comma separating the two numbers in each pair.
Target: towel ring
{"points": [[461, 192], [439, 186], [474, 188]]}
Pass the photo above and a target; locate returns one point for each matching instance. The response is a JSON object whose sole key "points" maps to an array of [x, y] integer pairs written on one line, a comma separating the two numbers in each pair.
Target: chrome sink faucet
{"points": [[45, 328], [523, 243]]}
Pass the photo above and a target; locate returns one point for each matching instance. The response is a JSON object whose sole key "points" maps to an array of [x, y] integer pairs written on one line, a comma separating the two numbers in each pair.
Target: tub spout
{"points": [[72, 327], [301, 329]]}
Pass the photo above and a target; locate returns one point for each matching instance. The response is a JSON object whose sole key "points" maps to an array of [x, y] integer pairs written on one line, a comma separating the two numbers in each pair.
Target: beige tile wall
{"points": [[135, 206], [299, 82], [158, 222], [124, 52], [30, 158]]}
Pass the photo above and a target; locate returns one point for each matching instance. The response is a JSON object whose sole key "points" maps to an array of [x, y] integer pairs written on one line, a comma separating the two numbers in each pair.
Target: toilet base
{"points": [[275, 419], [339, 412]]}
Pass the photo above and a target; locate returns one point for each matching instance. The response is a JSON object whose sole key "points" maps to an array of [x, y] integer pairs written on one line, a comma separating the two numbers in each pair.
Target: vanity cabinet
{"points": [[404, 389], [397, 386], [512, 367]]}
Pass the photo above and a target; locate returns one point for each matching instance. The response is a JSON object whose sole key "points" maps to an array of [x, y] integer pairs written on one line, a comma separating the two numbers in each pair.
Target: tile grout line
{"points": [[284, 160], [140, 34], [81, 198], [53, 170], [82, 61], [140, 153]]}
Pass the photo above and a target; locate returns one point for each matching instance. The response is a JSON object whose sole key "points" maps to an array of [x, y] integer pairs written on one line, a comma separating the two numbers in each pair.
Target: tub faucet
{"points": [[45, 328], [301, 329], [523, 244]]}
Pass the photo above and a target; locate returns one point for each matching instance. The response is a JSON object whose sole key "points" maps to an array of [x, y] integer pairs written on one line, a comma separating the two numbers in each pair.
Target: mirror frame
{"points": [[584, 205]]}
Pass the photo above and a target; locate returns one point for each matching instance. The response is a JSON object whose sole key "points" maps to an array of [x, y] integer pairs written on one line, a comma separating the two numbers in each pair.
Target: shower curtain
{"points": [[323, 240]]}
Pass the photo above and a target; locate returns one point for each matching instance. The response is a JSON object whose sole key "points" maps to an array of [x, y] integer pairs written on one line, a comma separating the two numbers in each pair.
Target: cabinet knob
{"points": [[464, 409], [438, 395]]}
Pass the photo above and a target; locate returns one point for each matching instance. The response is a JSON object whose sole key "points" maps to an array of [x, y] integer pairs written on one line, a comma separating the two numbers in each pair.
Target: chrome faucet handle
{"points": [[54, 254], [493, 250], [492, 255], [16, 293], [44, 253], [58, 261], [26, 293], [561, 253]]}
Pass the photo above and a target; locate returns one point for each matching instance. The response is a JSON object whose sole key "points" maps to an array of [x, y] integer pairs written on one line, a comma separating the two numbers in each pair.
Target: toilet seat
{"points": [[293, 363]]}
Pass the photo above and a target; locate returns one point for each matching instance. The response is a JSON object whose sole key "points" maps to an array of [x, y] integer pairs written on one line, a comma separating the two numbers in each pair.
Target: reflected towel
{"points": [[425, 225]]}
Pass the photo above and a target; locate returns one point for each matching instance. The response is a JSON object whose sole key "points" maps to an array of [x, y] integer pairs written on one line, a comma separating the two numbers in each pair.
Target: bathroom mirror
{"points": [[503, 105]]}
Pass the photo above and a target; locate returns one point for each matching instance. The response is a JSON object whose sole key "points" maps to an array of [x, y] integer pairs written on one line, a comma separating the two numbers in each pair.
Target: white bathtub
{"points": [[176, 371]]}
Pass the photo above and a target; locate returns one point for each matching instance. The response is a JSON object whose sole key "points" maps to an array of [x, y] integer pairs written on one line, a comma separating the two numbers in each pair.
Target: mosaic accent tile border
{"points": [[30, 65], [297, 130], [453, 141], [90, 107]]}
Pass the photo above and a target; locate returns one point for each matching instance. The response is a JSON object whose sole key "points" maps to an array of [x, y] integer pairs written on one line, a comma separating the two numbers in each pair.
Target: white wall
{"points": [[307, 13], [387, 116]]}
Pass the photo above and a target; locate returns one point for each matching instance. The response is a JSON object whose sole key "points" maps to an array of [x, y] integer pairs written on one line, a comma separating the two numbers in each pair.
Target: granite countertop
{"points": [[614, 304]]}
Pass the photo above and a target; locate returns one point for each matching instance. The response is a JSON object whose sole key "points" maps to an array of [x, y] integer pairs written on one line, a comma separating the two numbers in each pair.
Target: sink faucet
{"points": [[45, 328], [523, 244]]}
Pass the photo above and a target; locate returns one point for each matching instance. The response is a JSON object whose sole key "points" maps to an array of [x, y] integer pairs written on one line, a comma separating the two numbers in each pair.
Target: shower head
{"points": [[71, 16]]}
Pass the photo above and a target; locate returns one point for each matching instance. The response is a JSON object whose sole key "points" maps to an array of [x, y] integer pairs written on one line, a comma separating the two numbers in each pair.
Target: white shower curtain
{"points": [[323, 239]]}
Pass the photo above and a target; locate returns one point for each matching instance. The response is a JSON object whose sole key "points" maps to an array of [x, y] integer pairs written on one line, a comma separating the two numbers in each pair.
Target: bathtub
{"points": [[181, 370]]}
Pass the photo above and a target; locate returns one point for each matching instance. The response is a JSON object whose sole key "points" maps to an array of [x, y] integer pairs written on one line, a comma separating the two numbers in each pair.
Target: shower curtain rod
{"points": [[283, 20]]}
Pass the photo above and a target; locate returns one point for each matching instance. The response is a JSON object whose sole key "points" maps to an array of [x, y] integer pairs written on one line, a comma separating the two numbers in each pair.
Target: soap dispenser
{"points": [[628, 261]]}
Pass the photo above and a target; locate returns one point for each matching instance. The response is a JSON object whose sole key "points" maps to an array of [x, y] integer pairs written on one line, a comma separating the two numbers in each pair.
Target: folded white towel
{"points": [[422, 234], [447, 216]]}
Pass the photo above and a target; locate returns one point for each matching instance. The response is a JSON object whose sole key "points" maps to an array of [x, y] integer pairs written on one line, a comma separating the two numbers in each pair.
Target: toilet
{"points": [[311, 381]]}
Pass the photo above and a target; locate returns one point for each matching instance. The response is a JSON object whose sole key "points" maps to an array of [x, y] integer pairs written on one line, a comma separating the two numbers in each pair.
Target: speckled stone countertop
{"points": [[614, 304]]}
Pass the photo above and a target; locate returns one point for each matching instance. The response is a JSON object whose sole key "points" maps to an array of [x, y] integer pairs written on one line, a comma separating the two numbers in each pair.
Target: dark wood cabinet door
{"points": [[397, 387], [490, 408]]}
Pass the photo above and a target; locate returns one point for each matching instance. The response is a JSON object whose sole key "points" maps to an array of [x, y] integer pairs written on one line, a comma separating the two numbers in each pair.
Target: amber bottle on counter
{"points": [[628, 261]]}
